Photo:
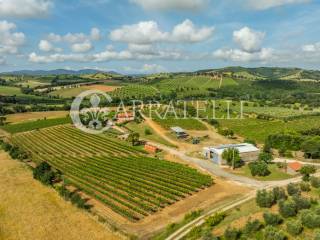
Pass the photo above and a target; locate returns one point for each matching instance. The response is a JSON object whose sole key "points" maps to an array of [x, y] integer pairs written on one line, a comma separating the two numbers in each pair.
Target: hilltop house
{"points": [[248, 152]]}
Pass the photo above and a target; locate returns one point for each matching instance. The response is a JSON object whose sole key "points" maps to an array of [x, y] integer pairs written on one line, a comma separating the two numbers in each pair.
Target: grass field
{"points": [[32, 116], [29, 126], [31, 211], [116, 174], [137, 92], [9, 91], [187, 124], [259, 130], [140, 128], [276, 173], [73, 92]]}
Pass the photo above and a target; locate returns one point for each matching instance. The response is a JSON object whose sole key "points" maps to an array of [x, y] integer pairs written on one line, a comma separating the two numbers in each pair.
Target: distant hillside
{"points": [[267, 73], [57, 72]]}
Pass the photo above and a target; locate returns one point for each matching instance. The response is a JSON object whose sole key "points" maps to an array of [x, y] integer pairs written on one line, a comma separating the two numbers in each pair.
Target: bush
{"points": [[259, 168], [317, 235], [301, 202], [305, 187], [44, 174], [294, 227], [231, 234], [279, 193], [252, 227], [271, 233], [272, 219], [265, 157], [215, 219], [288, 208], [293, 189], [315, 182], [310, 219], [147, 131], [306, 171], [265, 198]]}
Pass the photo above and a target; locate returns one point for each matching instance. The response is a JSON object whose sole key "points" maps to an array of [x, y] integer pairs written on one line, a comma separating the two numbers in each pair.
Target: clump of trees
{"points": [[232, 157], [15, 152], [259, 168], [74, 197], [45, 174], [306, 171]]}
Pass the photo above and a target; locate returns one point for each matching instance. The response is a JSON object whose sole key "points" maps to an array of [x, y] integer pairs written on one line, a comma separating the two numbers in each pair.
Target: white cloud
{"points": [[25, 8], [10, 41], [248, 39], [164, 5], [149, 32], [311, 47], [3, 61], [266, 4], [47, 46], [94, 35], [187, 32], [153, 68], [140, 33], [35, 58], [238, 55], [82, 47]]}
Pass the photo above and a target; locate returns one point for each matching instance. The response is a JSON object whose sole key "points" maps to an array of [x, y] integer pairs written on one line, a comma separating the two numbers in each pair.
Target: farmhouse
{"points": [[248, 152], [125, 117], [150, 148], [180, 133]]}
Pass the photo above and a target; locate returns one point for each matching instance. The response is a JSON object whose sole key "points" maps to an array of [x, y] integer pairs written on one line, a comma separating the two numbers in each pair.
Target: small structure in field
{"points": [[123, 137], [125, 117], [293, 167], [248, 152], [150, 148], [179, 132]]}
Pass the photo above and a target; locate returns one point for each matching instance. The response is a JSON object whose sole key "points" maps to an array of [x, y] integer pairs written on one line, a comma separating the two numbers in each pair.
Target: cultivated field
{"points": [[116, 174], [32, 116], [9, 91], [31, 211]]}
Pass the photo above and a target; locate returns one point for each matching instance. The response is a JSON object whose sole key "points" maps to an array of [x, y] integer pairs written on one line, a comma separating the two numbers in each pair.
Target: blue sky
{"points": [[145, 36]]}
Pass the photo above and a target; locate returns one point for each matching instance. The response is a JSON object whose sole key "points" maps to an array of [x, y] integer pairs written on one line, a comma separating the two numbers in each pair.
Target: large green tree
{"points": [[232, 157]]}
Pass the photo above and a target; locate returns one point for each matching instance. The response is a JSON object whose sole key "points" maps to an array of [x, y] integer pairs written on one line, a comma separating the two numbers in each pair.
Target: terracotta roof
{"points": [[296, 166]]}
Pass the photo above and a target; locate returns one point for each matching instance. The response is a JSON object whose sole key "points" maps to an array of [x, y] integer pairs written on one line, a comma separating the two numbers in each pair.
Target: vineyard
{"points": [[136, 91], [118, 175]]}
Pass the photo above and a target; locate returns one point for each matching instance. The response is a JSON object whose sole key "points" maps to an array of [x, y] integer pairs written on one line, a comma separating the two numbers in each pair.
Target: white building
{"points": [[248, 152]]}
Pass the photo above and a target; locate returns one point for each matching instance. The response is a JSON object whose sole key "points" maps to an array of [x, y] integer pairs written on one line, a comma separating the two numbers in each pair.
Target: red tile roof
{"points": [[296, 166]]}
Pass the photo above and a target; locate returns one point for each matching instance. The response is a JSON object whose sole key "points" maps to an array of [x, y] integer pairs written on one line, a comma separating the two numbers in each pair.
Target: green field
{"points": [[10, 91], [259, 130], [32, 125], [116, 174], [137, 92]]}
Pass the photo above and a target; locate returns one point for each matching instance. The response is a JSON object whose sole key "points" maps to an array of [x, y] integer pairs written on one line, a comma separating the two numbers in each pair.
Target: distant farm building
{"points": [[125, 117], [150, 148], [248, 152], [179, 132]]}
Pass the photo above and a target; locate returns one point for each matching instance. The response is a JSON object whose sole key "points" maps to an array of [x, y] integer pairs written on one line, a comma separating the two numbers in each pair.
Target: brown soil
{"points": [[103, 88], [31, 116]]}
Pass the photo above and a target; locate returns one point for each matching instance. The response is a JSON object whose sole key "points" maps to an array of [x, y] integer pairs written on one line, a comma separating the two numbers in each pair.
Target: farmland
{"points": [[118, 175], [135, 92], [258, 130], [74, 91], [32, 116], [9, 91], [29, 126]]}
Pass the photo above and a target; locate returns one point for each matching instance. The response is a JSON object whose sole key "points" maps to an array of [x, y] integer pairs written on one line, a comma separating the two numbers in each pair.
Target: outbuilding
{"points": [[248, 152], [179, 132]]}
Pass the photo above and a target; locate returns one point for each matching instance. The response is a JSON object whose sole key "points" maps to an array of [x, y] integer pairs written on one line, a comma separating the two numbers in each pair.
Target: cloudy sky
{"points": [[144, 36]]}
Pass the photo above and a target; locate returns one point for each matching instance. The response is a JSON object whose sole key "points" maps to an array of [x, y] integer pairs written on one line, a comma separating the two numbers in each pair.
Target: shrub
{"points": [[272, 219], [231, 234], [147, 131], [215, 219], [43, 173], [232, 157], [301, 202], [306, 171], [287, 208], [265, 198], [265, 157], [294, 227], [317, 235], [279, 193], [315, 182], [252, 227], [271, 233], [293, 189], [259, 168], [305, 187], [310, 219]]}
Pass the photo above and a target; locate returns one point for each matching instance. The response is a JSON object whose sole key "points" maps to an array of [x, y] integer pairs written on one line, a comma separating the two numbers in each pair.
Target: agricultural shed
{"points": [[248, 152], [180, 133], [150, 148]]}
